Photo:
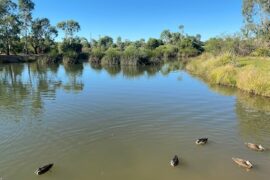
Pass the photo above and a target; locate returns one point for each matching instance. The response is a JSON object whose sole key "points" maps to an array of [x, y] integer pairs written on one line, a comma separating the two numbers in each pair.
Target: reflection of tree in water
{"points": [[253, 124], [172, 66], [137, 71], [74, 73], [96, 66], [223, 90], [253, 113], [112, 70], [24, 87]]}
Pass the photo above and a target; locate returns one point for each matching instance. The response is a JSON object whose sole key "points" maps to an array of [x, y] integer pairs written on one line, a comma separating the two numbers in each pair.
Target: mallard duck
{"points": [[175, 161], [243, 163], [43, 169], [255, 147], [201, 141]]}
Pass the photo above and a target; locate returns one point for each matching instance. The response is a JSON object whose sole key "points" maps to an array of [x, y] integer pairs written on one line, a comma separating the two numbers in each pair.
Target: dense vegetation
{"points": [[240, 60], [21, 34]]}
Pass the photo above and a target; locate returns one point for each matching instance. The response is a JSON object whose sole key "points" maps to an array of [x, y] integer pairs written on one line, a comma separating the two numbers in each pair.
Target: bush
{"points": [[71, 46], [225, 75], [255, 81], [189, 47], [261, 52], [96, 55], [112, 57], [83, 55], [133, 56]]}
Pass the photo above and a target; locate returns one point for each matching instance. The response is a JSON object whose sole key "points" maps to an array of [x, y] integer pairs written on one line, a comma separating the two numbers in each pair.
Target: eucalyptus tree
{"points": [[9, 25], [166, 36], [42, 35], [257, 18], [153, 43], [70, 27], [25, 13], [105, 42]]}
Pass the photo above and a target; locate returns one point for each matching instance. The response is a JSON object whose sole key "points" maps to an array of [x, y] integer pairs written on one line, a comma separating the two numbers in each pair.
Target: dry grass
{"points": [[251, 74]]}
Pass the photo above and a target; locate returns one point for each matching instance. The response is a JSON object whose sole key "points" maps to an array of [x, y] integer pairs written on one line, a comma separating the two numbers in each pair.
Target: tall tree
{"points": [[25, 12], [42, 35], [253, 8], [70, 27], [9, 25], [257, 18]]}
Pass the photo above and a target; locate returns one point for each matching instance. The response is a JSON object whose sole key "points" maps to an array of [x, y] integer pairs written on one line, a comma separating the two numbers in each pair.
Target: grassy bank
{"points": [[251, 74]]}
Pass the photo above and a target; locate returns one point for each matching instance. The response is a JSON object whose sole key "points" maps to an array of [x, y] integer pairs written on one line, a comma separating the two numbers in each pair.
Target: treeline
{"points": [[242, 60], [21, 34], [254, 37]]}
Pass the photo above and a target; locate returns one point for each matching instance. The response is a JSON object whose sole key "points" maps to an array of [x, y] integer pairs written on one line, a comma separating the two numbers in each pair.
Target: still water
{"points": [[113, 123]]}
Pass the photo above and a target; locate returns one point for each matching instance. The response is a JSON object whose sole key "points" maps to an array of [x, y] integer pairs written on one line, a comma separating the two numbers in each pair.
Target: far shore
{"points": [[19, 58]]}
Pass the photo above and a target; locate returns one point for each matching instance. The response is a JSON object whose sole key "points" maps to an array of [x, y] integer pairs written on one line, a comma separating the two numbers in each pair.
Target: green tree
{"points": [[9, 25], [105, 42], [257, 18], [25, 13], [153, 43], [42, 35], [166, 36], [70, 27]]}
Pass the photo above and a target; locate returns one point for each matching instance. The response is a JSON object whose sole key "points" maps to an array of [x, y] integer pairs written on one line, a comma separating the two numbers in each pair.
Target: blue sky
{"points": [[135, 19]]}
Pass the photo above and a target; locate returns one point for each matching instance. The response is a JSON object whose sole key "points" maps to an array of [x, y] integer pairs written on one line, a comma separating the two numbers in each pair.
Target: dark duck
{"points": [[201, 141], [43, 169], [175, 161]]}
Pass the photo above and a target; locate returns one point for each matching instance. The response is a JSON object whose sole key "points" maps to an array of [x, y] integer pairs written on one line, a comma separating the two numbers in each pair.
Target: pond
{"points": [[118, 123]]}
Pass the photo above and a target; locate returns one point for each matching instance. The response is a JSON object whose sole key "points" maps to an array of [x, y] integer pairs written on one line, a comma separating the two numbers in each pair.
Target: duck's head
{"points": [[175, 161], [249, 164], [261, 148]]}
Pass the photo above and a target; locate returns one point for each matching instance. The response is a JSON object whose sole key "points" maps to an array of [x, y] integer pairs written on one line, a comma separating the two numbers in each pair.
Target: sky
{"points": [[136, 19]]}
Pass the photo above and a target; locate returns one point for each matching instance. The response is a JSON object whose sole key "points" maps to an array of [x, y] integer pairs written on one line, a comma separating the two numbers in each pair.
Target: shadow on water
{"points": [[253, 113], [31, 84], [35, 82]]}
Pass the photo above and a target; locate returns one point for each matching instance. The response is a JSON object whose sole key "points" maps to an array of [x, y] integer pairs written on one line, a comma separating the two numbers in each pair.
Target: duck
{"points": [[175, 161], [201, 141], [44, 169], [255, 147], [243, 163]]}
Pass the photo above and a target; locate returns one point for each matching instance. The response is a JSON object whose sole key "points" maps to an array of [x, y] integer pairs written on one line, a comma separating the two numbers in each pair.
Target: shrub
{"points": [[112, 57], [255, 81], [96, 55], [224, 75], [261, 52], [134, 56]]}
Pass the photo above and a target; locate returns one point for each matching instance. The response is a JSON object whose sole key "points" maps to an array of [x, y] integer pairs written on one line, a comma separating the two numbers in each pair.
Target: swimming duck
{"points": [[255, 147], [243, 163], [43, 169], [175, 161], [201, 141]]}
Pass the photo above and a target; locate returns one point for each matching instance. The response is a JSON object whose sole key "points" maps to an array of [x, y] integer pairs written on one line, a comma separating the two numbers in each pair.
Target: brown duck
{"points": [[243, 163], [255, 147]]}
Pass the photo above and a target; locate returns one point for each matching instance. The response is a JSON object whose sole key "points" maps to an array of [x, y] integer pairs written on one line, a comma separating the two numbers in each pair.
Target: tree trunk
{"points": [[7, 48], [36, 49]]}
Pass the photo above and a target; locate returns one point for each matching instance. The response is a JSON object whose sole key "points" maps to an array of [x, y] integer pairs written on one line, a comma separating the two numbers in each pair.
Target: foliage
{"points": [[70, 27], [9, 26], [190, 47], [25, 13], [96, 55], [42, 35], [153, 43], [71, 48], [112, 57], [249, 74]]}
